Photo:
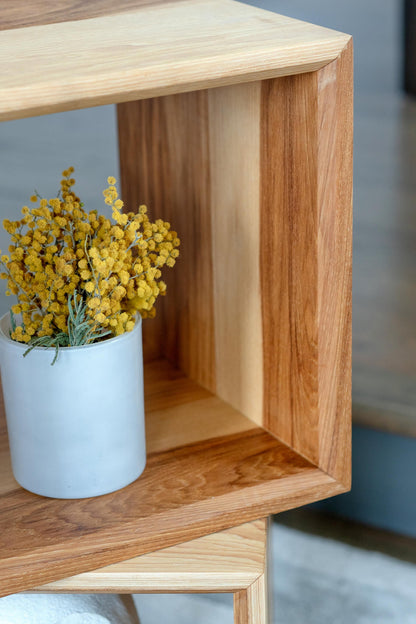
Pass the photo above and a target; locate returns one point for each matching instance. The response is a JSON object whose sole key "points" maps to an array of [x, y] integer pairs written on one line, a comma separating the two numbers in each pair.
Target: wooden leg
{"points": [[250, 605], [253, 605]]}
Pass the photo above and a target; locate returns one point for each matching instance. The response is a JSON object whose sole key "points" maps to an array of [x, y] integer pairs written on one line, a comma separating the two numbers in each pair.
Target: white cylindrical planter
{"points": [[76, 429]]}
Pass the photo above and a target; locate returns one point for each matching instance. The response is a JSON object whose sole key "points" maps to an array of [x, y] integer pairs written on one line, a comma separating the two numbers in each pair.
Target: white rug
{"points": [[67, 609], [315, 581]]}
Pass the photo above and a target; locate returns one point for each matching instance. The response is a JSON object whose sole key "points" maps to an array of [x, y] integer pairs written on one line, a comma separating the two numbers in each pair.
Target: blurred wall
{"points": [[33, 153]]}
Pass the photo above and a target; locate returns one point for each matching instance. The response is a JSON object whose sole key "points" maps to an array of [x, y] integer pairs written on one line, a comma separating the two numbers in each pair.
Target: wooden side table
{"points": [[236, 125], [231, 561]]}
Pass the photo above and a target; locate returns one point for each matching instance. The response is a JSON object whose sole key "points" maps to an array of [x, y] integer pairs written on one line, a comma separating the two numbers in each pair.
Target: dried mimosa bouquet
{"points": [[79, 276]]}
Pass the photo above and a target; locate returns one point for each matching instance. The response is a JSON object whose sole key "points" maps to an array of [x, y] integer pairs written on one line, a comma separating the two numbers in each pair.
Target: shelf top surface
{"points": [[79, 56], [208, 468]]}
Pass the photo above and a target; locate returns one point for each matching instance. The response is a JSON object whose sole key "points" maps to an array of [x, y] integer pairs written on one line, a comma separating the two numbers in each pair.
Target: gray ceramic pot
{"points": [[76, 429]]}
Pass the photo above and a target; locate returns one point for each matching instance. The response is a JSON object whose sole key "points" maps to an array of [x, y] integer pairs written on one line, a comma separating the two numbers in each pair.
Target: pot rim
{"points": [[20, 346]]}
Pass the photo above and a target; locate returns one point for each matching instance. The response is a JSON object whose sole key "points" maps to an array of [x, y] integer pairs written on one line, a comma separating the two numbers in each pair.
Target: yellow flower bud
{"points": [[93, 303]]}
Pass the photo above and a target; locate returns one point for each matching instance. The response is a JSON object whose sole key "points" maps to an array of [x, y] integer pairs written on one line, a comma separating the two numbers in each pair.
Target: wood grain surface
{"points": [[250, 605], [254, 603], [335, 120], [154, 50], [234, 164], [289, 282], [259, 310], [192, 485], [164, 165], [226, 561], [306, 293], [196, 159], [38, 12]]}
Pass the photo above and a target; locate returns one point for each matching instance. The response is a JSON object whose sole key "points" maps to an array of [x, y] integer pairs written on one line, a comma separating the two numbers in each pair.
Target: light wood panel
{"points": [[234, 165], [39, 12], [250, 605], [222, 562], [155, 50], [177, 426], [193, 484], [187, 158]]}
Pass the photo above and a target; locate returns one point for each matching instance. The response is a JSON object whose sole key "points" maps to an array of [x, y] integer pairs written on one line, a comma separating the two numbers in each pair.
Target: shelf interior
{"points": [[199, 450]]}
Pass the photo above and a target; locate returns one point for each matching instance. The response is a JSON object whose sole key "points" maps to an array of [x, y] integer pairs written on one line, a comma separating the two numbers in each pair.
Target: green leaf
{"points": [[12, 321]]}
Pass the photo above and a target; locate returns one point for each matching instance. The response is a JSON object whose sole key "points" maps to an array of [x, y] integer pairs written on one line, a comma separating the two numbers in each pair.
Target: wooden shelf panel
{"points": [[208, 468], [129, 55], [220, 562], [259, 311], [38, 13]]}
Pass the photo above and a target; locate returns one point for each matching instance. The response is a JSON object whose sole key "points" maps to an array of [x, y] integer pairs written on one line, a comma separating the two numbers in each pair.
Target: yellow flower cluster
{"points": [[60, 251]]}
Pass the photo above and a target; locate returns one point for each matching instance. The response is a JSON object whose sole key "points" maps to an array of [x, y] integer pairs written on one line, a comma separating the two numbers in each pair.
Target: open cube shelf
{"points": [[236, 125], [208, 468]]}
